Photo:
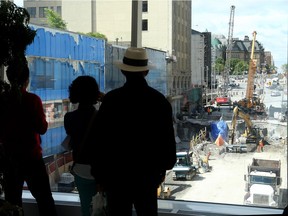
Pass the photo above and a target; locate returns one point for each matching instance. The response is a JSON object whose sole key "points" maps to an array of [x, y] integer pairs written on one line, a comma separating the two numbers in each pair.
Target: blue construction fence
{"points": [[57, 57]]}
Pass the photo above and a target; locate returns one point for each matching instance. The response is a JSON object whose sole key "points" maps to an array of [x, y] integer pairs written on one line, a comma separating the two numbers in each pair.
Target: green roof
{"points": [[215, 42]]}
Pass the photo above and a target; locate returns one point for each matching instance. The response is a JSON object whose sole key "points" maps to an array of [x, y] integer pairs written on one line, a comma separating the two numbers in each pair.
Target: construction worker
{"points": [[260, 146], [206, 162], [209, 110]]}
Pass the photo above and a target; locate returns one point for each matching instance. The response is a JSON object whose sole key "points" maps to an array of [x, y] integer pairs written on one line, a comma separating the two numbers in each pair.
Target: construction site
{"points": [[232, 151], [218, 164]]}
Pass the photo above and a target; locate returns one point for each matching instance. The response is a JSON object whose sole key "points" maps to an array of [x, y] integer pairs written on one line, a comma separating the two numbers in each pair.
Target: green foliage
{"points": [[97, 35], [219, 65], [54, 19], [93, 34], [285, 68], [15, 34], [233, 63], [240, 67]]}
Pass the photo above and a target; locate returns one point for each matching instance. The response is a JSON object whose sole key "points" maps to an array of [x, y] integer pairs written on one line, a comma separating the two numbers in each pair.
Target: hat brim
{"points": [[130, 68]]}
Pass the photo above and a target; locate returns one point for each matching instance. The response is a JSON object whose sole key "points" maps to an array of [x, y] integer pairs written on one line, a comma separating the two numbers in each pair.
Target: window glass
{"points": [[42, 12], [144, 25], [32, 11], [59, 11], [144, 6], [221, 143]]}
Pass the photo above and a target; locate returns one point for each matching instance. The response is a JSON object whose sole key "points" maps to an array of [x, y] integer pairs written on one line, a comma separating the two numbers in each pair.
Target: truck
{"points": [[224, 101], [263, 183], [183, 168]]}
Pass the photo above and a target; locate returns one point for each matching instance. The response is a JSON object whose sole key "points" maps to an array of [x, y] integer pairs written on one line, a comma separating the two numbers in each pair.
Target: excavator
{"points": [[252, 133], [251, 104]]}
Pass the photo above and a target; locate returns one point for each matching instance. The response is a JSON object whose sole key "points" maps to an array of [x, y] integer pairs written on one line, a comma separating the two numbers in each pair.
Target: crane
{"points": [[250, 103], [226, 72], [251, 74], [223, 99]]}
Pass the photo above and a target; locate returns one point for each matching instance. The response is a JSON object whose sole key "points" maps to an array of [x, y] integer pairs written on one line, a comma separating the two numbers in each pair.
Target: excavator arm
{"points": [[237, 112]]}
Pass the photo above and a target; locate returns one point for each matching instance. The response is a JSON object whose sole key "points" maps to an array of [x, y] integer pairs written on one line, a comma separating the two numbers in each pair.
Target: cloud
{"points": [[268, 18]]}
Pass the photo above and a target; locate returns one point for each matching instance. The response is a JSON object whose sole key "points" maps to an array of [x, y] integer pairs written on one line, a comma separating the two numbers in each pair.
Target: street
{"points": [[225, 182]]}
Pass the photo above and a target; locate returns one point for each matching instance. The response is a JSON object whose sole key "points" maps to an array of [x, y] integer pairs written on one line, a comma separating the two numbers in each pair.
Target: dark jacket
{"points": [[75, 124], [135, 134]]}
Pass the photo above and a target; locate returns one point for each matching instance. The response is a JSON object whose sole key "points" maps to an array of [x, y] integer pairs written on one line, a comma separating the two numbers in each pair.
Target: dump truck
{"points": [[263, 183], [183, 168]]}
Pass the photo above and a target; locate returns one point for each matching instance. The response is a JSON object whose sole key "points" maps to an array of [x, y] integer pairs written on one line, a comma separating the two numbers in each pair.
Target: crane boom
{"points": [[251, 73], [228, 51], [251, 104]]}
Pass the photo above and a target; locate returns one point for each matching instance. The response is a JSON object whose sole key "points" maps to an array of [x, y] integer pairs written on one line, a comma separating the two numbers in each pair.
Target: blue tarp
{"points": [[219, 127]]}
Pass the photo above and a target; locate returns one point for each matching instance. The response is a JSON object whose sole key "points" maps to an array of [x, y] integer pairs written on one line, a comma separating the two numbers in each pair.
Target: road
{"points": [[225, 183]]}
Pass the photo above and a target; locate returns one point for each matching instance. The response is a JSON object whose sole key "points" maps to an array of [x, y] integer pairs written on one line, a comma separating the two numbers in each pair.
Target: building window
{"points": [[59, 10], [144, 6], [145, 25], [42, 12], [32, 11]]}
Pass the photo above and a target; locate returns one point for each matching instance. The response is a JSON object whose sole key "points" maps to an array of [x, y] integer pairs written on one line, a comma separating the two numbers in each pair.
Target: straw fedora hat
{"points": [[134, 60]]}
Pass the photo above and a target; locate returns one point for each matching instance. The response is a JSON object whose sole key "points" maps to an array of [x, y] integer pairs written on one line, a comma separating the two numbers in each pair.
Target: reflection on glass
{"points": [[196, 130]]}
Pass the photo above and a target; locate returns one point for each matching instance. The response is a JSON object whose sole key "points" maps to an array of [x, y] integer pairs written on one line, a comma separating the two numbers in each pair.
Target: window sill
{"points": [[166, 207]]}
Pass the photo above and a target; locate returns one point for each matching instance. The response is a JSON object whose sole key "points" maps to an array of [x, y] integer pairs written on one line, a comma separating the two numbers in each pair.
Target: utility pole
{"points": [[136, 23], [93, 16]]}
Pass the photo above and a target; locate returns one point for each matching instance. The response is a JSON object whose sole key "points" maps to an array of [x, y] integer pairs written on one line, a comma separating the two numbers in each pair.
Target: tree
{"points": [[54, 20], [219, 65], [240, 67], [233, 63], [15, 35], [285, 68]]}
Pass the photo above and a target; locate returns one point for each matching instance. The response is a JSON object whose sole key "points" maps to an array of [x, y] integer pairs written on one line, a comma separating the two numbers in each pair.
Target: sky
{"points": [[269, 18]]}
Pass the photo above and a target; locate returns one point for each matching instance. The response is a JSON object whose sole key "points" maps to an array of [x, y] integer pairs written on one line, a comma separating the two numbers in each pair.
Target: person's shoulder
{"points": [[113, 94], [157, 94], [32, 96], [71, 114]]}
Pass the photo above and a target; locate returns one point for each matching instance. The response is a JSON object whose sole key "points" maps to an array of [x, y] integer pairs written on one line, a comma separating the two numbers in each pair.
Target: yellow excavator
{"points": [[252, 134], [251, 104]]}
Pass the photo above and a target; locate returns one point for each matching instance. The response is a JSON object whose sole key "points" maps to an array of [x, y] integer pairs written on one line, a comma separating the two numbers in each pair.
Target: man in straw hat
{"points": [[136, 132]]}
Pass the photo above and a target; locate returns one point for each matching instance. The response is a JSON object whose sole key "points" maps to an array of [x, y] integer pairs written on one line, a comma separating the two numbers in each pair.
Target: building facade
{"points": [[36, 9], [166, 26], [241, 49]]}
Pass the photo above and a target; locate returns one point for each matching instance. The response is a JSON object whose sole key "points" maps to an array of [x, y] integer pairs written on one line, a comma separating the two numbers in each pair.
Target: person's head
{"points": [[18, 72], [85, 90], [135, 62]]}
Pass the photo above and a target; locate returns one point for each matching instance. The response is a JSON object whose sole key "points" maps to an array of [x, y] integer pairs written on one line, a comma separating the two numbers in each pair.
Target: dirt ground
{"points": [[225, 182]]}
